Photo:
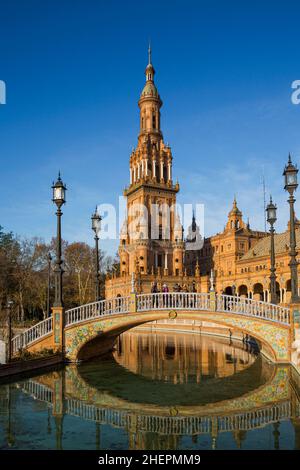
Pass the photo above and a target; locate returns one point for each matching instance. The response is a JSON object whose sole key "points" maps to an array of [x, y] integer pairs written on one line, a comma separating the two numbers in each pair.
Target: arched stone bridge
{"points": [[91, 329]]}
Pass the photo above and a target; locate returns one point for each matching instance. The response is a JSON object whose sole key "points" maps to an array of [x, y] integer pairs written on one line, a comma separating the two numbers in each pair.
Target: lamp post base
{"points": [[58, 328]]}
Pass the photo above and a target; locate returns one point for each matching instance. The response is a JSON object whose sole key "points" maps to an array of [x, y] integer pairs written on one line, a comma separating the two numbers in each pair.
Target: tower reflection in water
{"points": [[159, 390], [176, 358]]}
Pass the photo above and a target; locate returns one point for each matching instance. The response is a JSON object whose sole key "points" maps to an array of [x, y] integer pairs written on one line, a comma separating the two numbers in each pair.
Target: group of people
{"points": [[176, 288], [179, 301]]}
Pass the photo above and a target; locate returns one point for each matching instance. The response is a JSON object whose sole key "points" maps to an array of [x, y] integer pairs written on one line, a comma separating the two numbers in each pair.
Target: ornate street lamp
{"points": [[290, 185], [59, 198], [271, 218], [96, 227], [49, 259]]}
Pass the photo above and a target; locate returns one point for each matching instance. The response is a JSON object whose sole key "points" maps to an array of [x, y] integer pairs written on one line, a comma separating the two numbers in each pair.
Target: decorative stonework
{"points": [[274, 335]]}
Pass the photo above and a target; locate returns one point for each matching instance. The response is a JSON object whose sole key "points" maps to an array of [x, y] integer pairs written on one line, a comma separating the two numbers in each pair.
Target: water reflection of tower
{"points": [[276, 434], [177, 356], [153, 441], [239, 437]]}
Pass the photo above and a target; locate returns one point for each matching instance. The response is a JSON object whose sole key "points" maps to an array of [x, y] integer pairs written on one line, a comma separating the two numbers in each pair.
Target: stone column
{"points": [[284, 295], [161, 170], [154, 168], [166, 264], [169, 172]]}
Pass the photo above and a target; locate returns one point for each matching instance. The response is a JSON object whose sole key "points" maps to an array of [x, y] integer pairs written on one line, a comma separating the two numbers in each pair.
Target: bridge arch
{"points": [[98, 324], [98, 337]]}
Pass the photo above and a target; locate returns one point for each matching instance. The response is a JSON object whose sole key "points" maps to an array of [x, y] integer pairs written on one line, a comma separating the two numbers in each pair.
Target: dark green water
{"points": [[157, 391]]}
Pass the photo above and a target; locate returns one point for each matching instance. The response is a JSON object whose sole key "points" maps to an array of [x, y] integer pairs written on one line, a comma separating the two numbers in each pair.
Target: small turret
{"points": [[235, 217]]}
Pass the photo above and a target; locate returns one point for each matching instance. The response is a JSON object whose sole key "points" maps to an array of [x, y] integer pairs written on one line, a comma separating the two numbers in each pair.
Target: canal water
{"points": [[158, 390]]}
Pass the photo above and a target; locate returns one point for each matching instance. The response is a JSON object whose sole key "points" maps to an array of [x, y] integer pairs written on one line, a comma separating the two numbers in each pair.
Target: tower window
{"points": [[157, 172], [165, 173], [153, 122]]}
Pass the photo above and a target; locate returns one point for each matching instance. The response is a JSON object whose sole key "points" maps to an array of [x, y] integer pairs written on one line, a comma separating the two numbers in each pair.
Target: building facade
{"points": [[152, 248], [151, 240]]}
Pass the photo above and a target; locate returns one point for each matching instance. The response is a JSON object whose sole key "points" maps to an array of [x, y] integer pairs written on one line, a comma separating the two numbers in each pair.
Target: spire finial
{"points": [[290, 158], [149, 53]]}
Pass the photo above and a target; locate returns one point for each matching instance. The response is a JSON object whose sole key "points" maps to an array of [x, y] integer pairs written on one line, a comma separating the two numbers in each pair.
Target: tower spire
{"points": [[150, 69], [149, 53]]}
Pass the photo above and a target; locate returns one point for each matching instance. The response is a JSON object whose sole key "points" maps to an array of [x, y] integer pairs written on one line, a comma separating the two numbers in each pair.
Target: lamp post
{"points": [[49, 259], [271, 218], [290, 180], [96, 227], [59, 198]]}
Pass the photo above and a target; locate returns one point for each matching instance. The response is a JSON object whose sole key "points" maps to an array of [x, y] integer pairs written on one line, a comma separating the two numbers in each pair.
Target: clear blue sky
{"points": [[74, 71]]}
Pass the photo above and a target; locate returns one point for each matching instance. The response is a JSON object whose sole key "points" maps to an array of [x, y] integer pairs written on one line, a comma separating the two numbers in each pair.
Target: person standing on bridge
{"points": [[165, 290], [185, 298], [154, 290]]}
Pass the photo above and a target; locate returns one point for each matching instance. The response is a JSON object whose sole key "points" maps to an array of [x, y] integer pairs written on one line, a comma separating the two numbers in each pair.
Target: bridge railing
{"points": [[174, 300], [254, 308], [158, 301], [224, 303], [97, 309], [37, 331], [37, 390]]}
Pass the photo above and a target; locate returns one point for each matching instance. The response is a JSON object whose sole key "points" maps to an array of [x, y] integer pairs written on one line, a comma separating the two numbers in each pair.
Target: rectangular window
{"points": [[153, 122]]}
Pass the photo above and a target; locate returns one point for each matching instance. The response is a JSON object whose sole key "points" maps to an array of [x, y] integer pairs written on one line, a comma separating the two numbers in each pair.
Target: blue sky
{"points": [[74, 71]]}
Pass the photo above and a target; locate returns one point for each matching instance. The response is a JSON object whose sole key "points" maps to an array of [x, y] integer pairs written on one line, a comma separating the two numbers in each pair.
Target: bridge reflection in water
{"points": [[162, 390]]}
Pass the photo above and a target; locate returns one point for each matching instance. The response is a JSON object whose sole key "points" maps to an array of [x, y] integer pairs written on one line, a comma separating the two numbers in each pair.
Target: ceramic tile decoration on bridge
{"points": [[96, 325]]}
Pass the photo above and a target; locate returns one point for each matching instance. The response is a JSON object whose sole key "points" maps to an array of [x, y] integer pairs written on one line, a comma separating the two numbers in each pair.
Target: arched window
{"points": [[153, 121]]}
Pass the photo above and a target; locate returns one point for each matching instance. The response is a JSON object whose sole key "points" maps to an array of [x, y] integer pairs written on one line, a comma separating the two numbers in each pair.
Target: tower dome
{"points": [[150, 89]]}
